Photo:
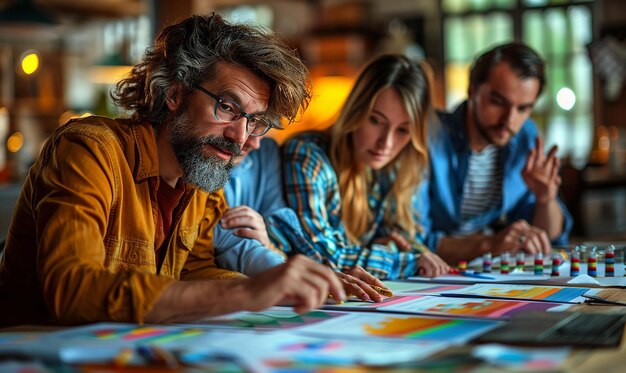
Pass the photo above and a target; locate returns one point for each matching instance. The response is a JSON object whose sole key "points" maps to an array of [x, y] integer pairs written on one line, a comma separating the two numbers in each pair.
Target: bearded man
{"points": [[115, 219]]}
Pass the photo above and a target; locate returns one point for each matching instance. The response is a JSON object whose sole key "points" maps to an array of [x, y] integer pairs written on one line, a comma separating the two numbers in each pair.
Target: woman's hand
{"points": [[358, 282]]}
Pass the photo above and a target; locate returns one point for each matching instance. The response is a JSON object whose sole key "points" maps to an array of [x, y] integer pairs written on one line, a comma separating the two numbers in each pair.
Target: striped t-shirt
{"points": [[483, 187]]}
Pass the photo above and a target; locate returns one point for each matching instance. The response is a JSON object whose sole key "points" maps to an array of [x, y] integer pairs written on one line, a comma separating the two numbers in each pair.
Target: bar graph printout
{"points": [[270, 319], [287, 348], [476, 307], [414, 288], [448, 306], [557, 294], [401, 327]]}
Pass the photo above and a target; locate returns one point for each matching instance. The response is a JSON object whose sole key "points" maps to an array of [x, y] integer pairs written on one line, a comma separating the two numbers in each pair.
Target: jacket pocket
{"points": [[123, 254], [188, 237], [183, 246]]}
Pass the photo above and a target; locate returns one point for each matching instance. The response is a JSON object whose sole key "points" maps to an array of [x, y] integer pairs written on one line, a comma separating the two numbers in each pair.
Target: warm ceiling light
{"points": [[15, 142], [30, 62]]}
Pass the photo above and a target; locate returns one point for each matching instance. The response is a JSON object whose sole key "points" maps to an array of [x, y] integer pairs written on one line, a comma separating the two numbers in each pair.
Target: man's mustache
{"points": [[223, 144], [505, 127]]}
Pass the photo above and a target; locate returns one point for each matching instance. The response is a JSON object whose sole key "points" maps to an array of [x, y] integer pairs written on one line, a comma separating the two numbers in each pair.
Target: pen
{"points": [[476, 275], [597, 299]]}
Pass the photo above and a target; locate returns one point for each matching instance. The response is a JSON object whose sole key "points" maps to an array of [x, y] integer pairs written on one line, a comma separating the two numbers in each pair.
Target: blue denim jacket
{"points": [[449, 153]]}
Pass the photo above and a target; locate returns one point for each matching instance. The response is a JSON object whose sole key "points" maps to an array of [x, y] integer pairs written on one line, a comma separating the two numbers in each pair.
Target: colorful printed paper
{"points": [[273, 318], [464, 307], [401, 327], [558, 294]]}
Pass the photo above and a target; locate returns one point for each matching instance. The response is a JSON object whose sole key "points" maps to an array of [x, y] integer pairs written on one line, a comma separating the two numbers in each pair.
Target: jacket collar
{"points": [[145, 159]]}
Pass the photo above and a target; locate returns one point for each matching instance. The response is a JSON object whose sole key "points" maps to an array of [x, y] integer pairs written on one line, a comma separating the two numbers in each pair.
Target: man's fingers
{"points": [[431, 265], [552, 152], [308, 286], [534, 243], [544, 242], [530, 161], [320, 272], [306, 297]]}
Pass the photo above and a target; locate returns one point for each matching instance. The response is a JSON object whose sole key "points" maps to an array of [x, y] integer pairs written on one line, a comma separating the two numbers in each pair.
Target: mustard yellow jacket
{"points": [[81, 244]]}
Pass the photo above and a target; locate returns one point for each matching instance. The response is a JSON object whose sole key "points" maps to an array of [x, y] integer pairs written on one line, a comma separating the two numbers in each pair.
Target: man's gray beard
{"points": [[207, 173]]}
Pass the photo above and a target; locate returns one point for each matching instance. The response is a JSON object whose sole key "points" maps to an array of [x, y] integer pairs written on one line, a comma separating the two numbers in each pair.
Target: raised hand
{"points": [[541, 172]]}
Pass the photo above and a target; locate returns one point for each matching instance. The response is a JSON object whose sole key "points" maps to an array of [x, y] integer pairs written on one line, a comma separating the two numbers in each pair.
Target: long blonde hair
{"points": [[411, 82]]}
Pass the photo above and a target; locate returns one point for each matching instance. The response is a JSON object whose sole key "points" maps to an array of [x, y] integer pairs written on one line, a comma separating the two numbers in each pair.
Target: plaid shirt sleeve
{"points": [[312, 190]]}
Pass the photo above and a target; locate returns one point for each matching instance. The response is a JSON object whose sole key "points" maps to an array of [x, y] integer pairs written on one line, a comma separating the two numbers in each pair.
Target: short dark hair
{"points": [[523, 60], [188, 52]]}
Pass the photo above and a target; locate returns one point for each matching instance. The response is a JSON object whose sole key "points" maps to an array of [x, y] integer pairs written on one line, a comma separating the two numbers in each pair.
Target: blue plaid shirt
{"points": [[312, 190]]}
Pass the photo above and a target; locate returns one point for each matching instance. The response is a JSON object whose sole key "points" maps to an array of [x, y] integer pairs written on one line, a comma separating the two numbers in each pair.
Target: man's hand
{"points": [[520, 236], [431, 265], [299, 282], [357, 281], [247, 222], [541, 173]]}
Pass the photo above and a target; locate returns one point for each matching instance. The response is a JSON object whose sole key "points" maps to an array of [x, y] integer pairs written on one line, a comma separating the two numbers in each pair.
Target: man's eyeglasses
{"points": [[227, 111]]}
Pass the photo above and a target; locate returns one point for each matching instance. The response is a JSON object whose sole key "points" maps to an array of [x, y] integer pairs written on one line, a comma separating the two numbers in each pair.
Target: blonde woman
{"points": [[354, 186]]}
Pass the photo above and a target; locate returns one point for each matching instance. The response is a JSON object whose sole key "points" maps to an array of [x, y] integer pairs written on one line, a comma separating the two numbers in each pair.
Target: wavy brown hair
{"points": [[187, 53], [411, 81]]}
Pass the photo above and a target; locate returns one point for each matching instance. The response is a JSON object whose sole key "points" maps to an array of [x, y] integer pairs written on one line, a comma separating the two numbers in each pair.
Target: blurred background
{"points": [[60, 59]]}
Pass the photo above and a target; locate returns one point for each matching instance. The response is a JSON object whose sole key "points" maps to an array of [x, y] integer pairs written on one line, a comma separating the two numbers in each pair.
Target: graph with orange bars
{"points": [[417, 327], [527, 292], [492, 308]]}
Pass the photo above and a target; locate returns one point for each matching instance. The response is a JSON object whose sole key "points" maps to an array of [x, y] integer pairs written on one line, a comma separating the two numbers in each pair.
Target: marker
{"points": [[382, 291], [556, 262], [592, 263], [487, 262], [609, 261], [504, 263], [575, 268], [520, 261], [538, 264], [462, 266]]}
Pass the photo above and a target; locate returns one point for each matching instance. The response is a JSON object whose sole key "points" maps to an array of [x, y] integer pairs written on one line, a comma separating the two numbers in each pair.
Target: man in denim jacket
{"points": [[491, 187]]}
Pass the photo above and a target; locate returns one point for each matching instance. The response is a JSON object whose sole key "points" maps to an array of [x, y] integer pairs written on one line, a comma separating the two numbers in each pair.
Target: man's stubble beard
{"points": [[207, 173], [483, 131]]}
